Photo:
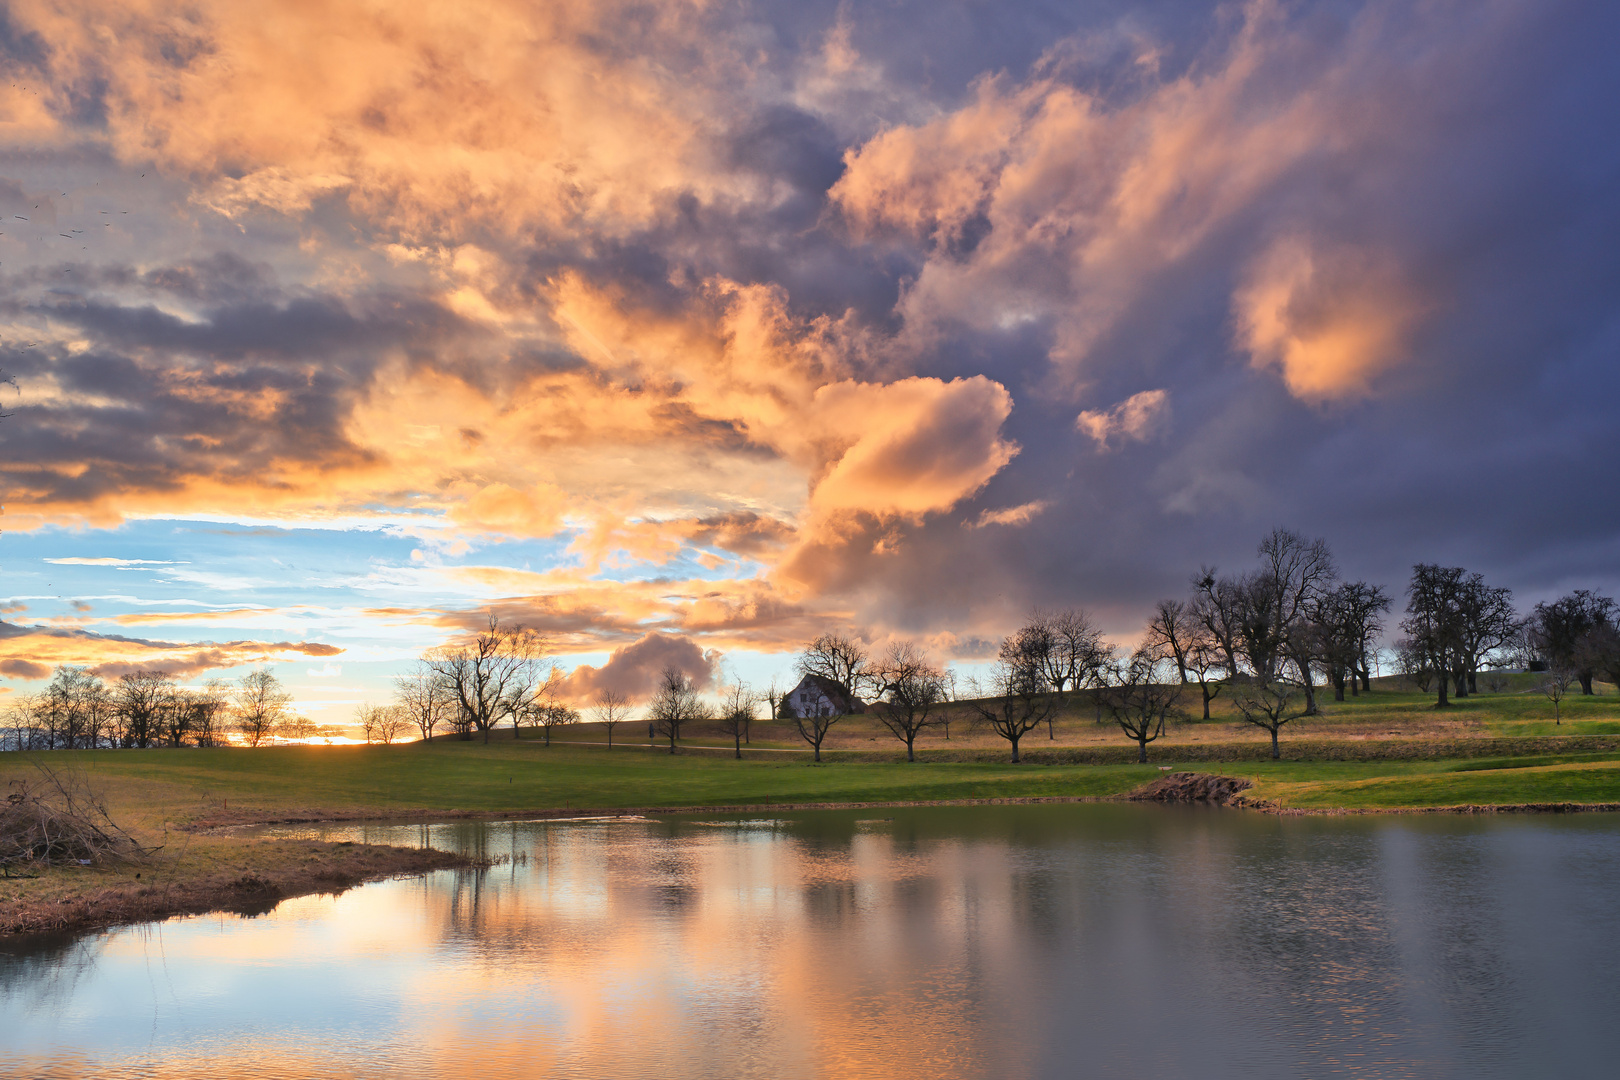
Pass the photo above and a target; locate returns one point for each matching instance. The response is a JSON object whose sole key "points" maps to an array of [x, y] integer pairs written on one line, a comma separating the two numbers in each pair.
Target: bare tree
{"points": [[913, 692], [532, 697], [74, 710], [1021, 700], [423, 700], [737, 714], [1217, 606], [260, 702], [772, 695], [1171, 632], [549, 715], [207, 706], [1066, 648], [1563, 628], [1262, 620], [382, 723], [458, 719], [1204, 659], [841, 660], [1367, 605], [1269, 704], [296, 727], [1137, 700], [1554, 686], [1487, 623], [1294, 573], [175, 715], [674, 705], [952, 692], [1348, 619], [139, 701], [611, 710], [1413, 664], [487, 679], [393, 725], [1434, 622], [1601, 650]]}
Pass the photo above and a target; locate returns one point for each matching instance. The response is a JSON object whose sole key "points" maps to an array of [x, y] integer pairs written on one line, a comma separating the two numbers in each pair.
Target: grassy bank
{"points": [[189, 791]]}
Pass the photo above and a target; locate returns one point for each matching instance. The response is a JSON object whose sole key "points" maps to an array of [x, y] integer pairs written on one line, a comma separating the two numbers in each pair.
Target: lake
{"points": [[1095, 940]]}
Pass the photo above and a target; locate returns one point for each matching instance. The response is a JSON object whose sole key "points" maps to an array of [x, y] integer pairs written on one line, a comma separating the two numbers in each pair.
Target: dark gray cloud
{"points": [[1446, 169]]}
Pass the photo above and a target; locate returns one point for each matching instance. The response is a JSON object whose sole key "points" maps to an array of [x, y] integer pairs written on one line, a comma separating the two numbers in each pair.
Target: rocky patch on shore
{"points": [[1193, 787]]}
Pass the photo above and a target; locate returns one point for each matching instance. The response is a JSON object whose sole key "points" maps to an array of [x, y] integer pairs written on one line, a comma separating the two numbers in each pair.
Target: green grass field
{"points": [[1393, 708], [181, 787], [154, 788]]}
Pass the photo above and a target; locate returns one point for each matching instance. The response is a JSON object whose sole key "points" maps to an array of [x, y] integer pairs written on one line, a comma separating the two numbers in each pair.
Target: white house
{"points": [[816, 696]]}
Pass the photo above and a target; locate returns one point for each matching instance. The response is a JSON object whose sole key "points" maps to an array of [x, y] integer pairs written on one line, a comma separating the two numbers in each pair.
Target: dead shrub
{"points": [[58, 819]]}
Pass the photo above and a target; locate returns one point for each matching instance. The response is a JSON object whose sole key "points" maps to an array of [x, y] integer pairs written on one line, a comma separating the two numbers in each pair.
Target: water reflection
{"points": [[1038, 941]]}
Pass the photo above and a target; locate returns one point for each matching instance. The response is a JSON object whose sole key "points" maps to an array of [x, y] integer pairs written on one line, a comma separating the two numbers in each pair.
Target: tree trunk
{"points": [[1473, 680], [1276, 752], [911, 755], [1442, 703], [1310, 690], [736, 738], [1015, 749], [1141, 751], [1338, 686], [1586, 681], [817, 747], [1204, 686], [1459, 681]]}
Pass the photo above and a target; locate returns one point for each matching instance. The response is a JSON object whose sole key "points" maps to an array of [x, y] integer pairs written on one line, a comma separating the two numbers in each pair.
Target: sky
{"points": [[680, 332]]}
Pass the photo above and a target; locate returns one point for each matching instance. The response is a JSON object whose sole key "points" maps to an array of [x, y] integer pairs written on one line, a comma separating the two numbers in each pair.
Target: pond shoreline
{"points": [[1239, 802], [285, 869], [282, 870]]}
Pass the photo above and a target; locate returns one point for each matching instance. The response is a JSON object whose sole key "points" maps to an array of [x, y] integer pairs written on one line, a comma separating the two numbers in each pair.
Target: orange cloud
{"points": [[1011, 515], [1136, 418], [427, 117], [915, 447], [1330, 320]]}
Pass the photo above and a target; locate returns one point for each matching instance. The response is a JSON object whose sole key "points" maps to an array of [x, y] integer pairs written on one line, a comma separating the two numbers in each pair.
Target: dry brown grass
{"points": [[74, 864], [219, 873]]}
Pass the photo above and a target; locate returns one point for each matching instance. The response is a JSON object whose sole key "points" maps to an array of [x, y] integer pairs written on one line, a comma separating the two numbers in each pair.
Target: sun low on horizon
{"points": [[682, 332]]}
